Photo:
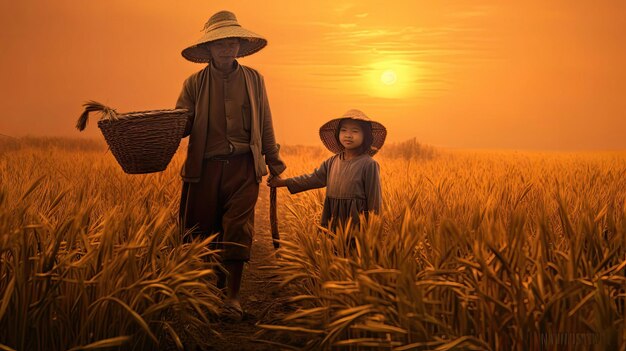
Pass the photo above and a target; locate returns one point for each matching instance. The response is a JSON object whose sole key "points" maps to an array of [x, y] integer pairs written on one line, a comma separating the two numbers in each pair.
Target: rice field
{"points": [[474, 250], [92, 258]]}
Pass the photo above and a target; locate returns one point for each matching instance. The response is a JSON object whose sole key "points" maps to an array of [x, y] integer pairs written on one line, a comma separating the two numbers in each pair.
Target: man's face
{"points": [[224, 51]]}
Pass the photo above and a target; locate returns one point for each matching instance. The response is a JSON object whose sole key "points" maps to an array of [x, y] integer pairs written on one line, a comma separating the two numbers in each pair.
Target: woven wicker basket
{"points": [[142, 142]]}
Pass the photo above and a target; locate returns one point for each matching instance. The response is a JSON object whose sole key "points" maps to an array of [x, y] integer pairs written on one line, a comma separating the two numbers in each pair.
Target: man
{"points": [[231, 139]]}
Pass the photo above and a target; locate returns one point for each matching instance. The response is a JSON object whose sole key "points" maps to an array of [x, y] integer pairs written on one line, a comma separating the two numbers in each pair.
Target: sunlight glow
{"points": [[388, 77], [393, 79]]}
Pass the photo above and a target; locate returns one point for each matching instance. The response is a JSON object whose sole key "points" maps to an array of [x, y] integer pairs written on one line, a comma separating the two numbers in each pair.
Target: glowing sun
{"points": [[388, 77]]}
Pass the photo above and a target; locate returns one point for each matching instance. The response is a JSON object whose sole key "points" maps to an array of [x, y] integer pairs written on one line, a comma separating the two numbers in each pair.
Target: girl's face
{"points": [[350, 135]]}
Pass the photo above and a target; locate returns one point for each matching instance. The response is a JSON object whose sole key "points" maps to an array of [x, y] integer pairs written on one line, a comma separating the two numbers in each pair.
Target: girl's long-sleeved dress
{"points": [[352, 188]]}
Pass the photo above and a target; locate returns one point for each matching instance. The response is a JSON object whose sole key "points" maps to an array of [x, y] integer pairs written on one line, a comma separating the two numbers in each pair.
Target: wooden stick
{"points": [[273, 216]]}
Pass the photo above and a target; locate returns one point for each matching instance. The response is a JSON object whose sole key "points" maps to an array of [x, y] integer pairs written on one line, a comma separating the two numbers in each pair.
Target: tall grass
{"points": [[473, 251], [91, 257], [482, 251]]}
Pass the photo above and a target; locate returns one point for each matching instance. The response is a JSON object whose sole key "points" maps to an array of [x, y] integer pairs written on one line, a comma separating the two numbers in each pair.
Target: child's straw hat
{"points": [[329, 130], [220, 26]]}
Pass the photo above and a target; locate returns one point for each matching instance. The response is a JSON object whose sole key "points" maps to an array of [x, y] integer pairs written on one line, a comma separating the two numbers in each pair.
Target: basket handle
{"points": [[93, 106]]}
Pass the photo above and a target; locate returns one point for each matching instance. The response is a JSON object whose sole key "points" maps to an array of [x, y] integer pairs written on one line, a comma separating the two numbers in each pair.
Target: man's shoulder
{"points": [[194, 77], [251, 71]]}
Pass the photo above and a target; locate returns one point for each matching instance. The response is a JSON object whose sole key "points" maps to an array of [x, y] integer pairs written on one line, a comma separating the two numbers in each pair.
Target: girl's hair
{"points": [[368, 137]]}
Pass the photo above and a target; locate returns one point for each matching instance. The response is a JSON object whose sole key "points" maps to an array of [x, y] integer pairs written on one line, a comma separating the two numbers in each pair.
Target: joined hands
{"points": [[276, 181]]}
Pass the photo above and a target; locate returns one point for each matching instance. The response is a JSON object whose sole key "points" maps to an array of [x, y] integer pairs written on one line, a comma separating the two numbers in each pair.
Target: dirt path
{"points": [[262, 299]]}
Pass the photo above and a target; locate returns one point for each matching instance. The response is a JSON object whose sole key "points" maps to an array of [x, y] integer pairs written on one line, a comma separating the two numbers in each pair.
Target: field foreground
{"points": [[473, 250]]}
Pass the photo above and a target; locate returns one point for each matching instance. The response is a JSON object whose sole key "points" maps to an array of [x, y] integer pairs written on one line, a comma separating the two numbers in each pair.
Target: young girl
{"points": [[351, 176]]}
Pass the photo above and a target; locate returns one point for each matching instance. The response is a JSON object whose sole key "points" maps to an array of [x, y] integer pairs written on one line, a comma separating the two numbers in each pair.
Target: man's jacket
{"points": [[195, 98]]}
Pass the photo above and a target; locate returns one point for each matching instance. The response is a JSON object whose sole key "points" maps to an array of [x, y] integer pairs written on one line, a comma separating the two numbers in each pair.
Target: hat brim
{"points": [[250, 43], [328, 130]]}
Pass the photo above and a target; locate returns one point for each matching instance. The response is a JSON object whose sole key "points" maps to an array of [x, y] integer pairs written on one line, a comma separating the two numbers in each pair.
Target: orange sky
{"points": [[471, 74]]}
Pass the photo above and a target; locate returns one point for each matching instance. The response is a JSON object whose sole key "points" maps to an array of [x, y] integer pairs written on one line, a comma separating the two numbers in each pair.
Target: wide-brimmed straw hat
{"points": [[220, 26], [329, 129]]}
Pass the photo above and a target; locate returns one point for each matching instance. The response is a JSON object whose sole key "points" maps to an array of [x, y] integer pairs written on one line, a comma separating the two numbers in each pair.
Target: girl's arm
{"points": [[371, 183], [315, 180]]}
